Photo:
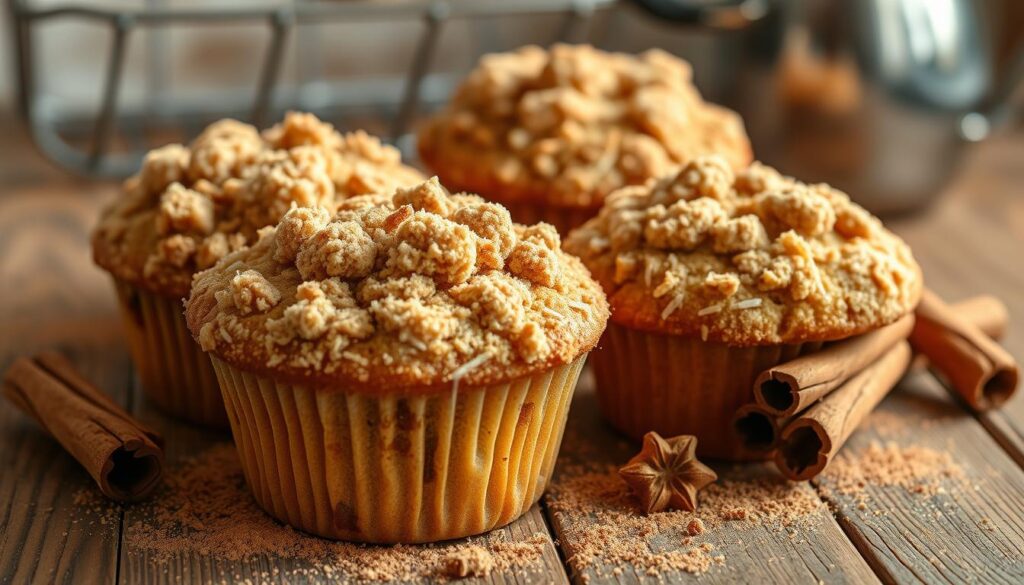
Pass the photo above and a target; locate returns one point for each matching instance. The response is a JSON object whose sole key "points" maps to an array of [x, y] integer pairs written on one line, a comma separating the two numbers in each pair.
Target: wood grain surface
{"points": [[53, 529], [963, 528], [753, 554]]}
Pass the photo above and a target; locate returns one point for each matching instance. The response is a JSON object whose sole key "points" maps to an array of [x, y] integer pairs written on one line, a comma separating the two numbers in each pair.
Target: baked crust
{"points": [[406, 293], [746, 259], [566, 127], [189, 206]]}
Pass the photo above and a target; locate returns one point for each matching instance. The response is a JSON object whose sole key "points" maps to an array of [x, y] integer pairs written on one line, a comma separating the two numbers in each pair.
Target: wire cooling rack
{"points": [[83, 140]]}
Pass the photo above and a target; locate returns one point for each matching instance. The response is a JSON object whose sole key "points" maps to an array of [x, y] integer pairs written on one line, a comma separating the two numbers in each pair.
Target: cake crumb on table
{"points": [[471, 561]]}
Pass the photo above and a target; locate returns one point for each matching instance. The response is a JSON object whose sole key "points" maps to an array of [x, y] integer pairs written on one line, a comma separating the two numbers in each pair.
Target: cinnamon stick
{"points": [[124, 458], [758, 428], [809, 442], [789, 388], [986, 312], [978, 369]]}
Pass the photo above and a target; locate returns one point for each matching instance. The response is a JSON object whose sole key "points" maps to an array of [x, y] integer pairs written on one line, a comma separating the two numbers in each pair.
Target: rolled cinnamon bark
{"points": [[986, 312], [789, 388], [978, 369], [809, 442], [124, 458], [758, 428]]}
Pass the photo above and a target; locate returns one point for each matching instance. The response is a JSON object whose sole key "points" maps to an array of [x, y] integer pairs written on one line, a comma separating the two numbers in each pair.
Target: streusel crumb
{"points": [[570, 125], [746, 259], [191, 205], [471, 561], [420, 288]]}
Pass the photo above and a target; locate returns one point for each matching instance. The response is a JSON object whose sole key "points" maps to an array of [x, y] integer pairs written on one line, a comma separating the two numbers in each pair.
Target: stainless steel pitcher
{"points": [[876, 97]]}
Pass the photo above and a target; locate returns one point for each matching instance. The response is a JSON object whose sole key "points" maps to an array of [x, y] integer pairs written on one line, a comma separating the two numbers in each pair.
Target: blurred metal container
{"points": [[876, 97]]}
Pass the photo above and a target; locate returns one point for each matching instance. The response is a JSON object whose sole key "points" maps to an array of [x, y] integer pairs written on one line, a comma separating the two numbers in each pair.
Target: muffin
{"points": [[400, 372], [713, 277], [190, 205], [548, 134]]}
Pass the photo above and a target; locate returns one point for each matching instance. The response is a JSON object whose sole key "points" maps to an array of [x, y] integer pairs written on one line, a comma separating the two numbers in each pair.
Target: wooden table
{"points": [[972, 241]]}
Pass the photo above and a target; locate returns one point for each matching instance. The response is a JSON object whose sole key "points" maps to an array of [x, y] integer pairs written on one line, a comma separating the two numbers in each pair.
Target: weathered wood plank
{"points": [[814, 551], [952, 529], [970, 243], [49, 300], [138, 566]]}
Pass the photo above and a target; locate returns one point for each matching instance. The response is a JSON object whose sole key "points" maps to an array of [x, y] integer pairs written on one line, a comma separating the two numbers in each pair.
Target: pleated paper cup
{"points": [[390, 468], [176, 375], [565, 219], [678, 385]]}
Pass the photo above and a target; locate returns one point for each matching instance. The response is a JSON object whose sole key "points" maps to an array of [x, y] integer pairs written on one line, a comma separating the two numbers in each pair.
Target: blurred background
{"points": [[878, 97]]}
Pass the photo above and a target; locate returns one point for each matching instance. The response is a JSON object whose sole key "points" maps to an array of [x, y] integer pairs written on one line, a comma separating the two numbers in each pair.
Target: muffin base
{"points": [[397, 468], [176, 375], [678, 385]]}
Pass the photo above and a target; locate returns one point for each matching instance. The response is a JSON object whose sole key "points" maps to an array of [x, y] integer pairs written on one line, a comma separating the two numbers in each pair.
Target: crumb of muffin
{"points": [[470, 561]]}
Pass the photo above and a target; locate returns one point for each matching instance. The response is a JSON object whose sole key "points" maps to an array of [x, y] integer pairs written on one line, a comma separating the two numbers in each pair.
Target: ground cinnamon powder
{"points": [[603, 529], [206, 510], [918, 470]]}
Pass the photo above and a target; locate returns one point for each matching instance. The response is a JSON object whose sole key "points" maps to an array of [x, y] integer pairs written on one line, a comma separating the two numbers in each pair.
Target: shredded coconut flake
{"points": [[466, 368], [749, 303], [710, 310], [703, 332], [355, 357], [549, 311], [579, 306], [599, 244], [677, 301]]}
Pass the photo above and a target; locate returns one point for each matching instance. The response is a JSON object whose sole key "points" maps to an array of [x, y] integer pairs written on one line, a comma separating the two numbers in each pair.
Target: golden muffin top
{"points": [[190, 205], [416, 290], [570, 125], [751, 258]]}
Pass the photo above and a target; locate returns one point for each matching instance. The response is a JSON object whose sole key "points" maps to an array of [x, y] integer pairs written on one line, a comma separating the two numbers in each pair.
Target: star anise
{"points": [[667, 474]]}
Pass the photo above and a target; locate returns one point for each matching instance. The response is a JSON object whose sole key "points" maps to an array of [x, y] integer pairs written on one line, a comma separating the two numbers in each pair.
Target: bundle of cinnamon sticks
{"points": [[806, 409]]}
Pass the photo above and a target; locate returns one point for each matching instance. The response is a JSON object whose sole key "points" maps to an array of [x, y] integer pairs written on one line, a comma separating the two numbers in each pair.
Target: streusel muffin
{"points": [[190, 205], [549, 134], [400, 372], [713, 277]]}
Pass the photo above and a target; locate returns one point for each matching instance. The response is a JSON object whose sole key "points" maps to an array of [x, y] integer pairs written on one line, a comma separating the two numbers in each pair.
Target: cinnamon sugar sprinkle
{"points": [[918, 470], [603, 530], [206, 510]]}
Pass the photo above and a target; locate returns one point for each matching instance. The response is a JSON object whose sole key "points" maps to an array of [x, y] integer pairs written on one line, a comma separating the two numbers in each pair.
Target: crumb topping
{"points": [[422, 289], [188, 206], [750, 258], [572, 124]]}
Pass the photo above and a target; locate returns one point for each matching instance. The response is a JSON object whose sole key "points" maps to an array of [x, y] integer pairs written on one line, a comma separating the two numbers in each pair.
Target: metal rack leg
{"points": [[111, 89], [576, 27], [436, 16], [280, 24]]}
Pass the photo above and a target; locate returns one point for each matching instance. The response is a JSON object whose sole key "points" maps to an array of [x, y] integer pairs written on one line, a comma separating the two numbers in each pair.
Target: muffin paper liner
{"points": [[678, 385], [565, 219], [398, 468], [176, 375]]}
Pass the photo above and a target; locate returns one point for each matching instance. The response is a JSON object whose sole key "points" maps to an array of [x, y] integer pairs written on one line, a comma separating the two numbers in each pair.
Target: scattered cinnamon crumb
{"points": [[603, 530], [205, 510], [471, 561], [918, 470]]}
